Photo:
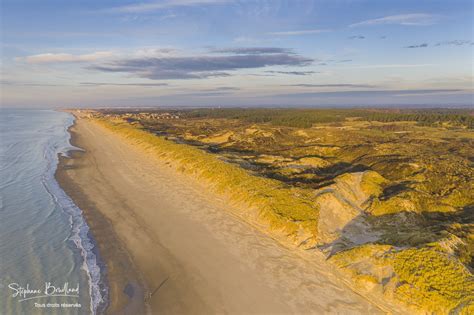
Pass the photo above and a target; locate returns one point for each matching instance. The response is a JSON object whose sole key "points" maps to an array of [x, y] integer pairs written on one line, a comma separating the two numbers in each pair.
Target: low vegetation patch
{"points": [[433, 280], [423, 278]]}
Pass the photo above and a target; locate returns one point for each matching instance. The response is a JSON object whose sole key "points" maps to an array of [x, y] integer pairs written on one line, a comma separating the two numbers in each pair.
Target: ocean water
{"points": [[45, 245]]}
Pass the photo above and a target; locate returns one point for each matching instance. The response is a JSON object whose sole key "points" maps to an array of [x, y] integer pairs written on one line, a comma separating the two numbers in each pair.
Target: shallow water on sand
{"points": [[44, 241]]}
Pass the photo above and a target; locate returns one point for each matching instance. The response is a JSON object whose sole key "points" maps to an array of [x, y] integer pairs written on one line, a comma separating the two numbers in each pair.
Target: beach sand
{"points": [[164, 234]]}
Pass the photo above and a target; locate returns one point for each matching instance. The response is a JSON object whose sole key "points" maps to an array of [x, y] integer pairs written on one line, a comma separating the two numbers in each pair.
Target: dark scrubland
{"points": [[399, 183]]}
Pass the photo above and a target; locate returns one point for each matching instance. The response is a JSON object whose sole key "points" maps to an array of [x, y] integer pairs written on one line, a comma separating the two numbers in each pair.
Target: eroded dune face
{"points": [[391, 204], [341, 204], [375, 250]]}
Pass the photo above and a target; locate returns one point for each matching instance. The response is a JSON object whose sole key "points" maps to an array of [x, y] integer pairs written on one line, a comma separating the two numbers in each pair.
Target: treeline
{"points": [[426, 118], [301, 118], [305, 118]]}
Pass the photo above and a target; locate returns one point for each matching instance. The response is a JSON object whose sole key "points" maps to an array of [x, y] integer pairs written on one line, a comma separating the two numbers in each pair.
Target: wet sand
{"points": [[172, 247]]}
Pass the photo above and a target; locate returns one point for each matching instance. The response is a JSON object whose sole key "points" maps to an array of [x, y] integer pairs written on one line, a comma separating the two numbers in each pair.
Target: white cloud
{"points": [[222, 64], [63, 57], [245, 39], [300, 32], [158, 5], [401, 19], [436, 92], [251, 40], [154, 52], [390, 66]]}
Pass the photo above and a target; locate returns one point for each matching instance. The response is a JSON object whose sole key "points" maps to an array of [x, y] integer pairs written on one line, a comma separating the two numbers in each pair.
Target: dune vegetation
{"points": [[288, 210], [386, 195]]}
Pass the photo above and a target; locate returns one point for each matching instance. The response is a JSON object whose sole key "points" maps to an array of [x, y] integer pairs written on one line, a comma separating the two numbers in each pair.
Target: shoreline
{"points": [[80, 232], [168, 263], [100, 229]]}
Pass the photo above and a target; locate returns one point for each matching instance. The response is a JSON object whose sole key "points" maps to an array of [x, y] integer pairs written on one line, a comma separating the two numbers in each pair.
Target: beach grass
{"points": [[405, 194], [425, 278], [286, 210]]}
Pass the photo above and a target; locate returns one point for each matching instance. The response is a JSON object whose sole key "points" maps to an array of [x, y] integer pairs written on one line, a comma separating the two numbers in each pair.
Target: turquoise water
{"points": [[44, 241]]}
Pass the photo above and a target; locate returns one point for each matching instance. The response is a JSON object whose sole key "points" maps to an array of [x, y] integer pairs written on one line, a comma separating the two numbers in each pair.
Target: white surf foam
{"points": [[79, 229]]}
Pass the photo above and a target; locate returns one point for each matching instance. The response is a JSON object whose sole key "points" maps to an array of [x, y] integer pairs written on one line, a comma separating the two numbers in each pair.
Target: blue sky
{"points": [[236, 52]]}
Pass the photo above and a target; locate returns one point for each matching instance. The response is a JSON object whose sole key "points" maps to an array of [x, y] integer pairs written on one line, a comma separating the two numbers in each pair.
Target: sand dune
{"points": [[163, 234]]}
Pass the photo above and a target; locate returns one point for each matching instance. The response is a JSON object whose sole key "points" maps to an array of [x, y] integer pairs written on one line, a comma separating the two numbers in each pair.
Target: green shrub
{"points": [[433, 280]]}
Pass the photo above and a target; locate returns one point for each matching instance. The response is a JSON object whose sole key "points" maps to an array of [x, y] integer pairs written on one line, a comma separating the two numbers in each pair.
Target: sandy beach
{"points": [[172, 247]]}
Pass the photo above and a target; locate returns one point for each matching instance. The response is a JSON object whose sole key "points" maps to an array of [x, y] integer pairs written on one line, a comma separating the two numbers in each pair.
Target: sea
{"points": [[49, 263]]}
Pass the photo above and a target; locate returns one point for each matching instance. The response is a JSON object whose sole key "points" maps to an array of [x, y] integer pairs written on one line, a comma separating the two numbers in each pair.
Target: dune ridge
{"points": [[351, 239], [189, 249]]}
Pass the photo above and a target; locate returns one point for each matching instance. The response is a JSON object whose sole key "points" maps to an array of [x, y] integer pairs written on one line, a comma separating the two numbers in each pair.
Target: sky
{"points": [[90, 53]]}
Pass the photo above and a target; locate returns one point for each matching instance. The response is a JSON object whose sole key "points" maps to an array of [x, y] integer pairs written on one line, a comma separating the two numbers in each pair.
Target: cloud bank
{"points": [[164, 4], [347, 85], [200, 67], [424, 45], [121, 84], [57, 58], [368, 93], [292, 72], [413, 19], [299, 32], [457, 42], [253, 50], [357, 37]]}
